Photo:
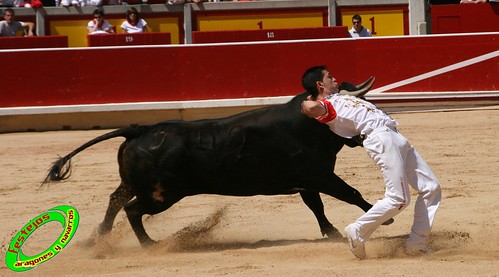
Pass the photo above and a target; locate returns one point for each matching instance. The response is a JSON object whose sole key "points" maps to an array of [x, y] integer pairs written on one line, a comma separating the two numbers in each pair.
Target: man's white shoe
{"points": [[356, 246], [416, 250]]}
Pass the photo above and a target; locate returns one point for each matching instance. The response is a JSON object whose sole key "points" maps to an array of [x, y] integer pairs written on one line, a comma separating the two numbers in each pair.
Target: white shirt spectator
{"points": [[363, 33], [105, 25], [131, 28], [93, 2], [67, 3], [79, 3], [7, 30]]}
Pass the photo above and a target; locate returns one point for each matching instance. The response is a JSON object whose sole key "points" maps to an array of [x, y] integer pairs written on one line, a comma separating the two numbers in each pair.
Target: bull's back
{"points": [[268, 151]]}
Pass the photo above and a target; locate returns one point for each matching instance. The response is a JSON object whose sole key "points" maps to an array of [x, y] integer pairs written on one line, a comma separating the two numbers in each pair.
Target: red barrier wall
{"points": [[269, 34], [216, 71], [129, 39], [483, 17], [33, 42]]}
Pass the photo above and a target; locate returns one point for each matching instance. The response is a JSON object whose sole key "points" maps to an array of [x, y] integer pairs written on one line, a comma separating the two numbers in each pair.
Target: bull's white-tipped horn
{"points": [[372, 78], [362, 89]]}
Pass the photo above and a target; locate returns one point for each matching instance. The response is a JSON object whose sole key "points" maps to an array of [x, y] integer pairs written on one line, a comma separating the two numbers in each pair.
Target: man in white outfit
{"points": [[401, 165]]}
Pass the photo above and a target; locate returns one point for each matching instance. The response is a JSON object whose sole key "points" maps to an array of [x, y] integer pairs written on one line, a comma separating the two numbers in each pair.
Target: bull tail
{"points": [[61, 169]]}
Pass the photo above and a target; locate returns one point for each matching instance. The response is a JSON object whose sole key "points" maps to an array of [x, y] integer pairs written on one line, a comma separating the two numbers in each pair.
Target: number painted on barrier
{"points": [[260, 25], [270, 35], [373, 25], [128, 39]]}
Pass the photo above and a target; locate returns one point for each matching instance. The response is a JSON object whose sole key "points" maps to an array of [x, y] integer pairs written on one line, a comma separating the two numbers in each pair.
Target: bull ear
{"points": [[361, 89]]}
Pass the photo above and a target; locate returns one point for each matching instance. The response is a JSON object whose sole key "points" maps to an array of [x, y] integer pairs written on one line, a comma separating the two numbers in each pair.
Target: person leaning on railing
{"points": [[9, 26], [99, 25]]}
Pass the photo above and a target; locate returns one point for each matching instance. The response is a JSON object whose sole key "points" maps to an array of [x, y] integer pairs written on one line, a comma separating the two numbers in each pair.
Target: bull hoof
{"points": [[90, 242], [147, 243], [388, 222], [103, 229], [332, 233]]}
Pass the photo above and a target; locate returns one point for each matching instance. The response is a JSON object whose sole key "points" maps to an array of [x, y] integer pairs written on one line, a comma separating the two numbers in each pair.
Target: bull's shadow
{"points": [[236, 245], [386, 247], [199, 237]]}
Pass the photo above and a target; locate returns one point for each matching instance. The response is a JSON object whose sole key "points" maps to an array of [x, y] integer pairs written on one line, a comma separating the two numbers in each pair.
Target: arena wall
{"points": [[107, 87]]}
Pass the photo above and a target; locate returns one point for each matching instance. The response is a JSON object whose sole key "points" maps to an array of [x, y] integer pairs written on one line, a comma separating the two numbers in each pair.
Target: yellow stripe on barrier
{"points": [[259, 21]]}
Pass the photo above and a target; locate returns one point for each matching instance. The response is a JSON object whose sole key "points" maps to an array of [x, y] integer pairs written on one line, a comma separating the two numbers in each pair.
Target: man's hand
{"points": [[30, 26], [110, 30], [355, 141]]}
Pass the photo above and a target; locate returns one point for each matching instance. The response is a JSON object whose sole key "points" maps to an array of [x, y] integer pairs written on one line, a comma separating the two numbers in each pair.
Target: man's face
{"points": [[98, 18], [327, 86], [9, 17], [357, 24]]}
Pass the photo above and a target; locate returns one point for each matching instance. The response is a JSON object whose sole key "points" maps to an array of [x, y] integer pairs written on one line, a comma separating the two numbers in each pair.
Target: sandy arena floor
{"points": [[262, 236]]}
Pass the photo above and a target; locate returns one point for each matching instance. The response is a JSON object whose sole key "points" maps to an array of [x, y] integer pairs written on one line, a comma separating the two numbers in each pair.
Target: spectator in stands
{"points": [[93, 3], [31, 4], [11, 3], [67, 3], [99, 25], [78, 3], [9, 26], [358, 30], [133, 23]]}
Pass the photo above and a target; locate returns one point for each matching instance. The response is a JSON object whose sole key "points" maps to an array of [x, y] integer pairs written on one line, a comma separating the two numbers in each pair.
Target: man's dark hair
{"points": [[311, 77], [8, 10], [134, 11], [357, 17], [99, 12]]}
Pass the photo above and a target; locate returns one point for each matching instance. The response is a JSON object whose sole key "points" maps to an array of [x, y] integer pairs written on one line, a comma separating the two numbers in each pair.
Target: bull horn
{"points": [[372, 78], [361, 89]]}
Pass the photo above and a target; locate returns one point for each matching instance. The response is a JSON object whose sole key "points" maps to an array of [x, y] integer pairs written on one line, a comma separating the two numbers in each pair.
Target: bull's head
{"points": [[359, 90]]}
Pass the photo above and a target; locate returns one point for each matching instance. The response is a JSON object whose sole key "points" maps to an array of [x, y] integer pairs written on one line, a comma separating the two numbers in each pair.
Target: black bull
{"points": [[268, 151]]}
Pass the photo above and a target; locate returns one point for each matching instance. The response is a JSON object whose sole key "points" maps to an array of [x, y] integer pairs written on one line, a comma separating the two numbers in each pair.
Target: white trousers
{"points": [[401, 166]]}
